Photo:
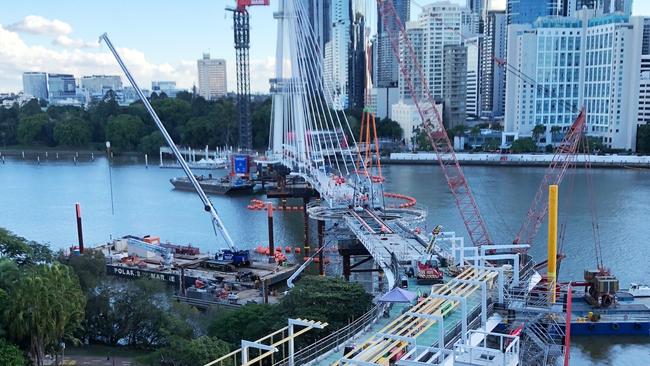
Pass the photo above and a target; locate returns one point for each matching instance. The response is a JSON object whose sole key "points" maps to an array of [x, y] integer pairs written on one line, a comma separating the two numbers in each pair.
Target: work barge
{"points": [[197, 278]]}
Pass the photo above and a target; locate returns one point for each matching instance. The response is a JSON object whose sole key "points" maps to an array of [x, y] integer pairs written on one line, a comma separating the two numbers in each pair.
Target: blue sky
{"points": [[160, 39]]}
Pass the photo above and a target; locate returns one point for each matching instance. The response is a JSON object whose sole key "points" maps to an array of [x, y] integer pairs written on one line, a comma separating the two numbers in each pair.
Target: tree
{"points": [[457, 130], [251, 321], [30, 128], [523, 145], [46, 305], [199, 351], [184, 95], [643, 139], [151, 143], [99, 115], [21, 251], [72, 132], [124, 132], [11, 355], [261, 119], [475, 132], [538, 131], [422, 141], [388, 128], [331, 300], [555, 130], [31, 108], [90, 268]]}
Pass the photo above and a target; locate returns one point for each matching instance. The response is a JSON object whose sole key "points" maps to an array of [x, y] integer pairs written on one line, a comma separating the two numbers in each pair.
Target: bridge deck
{"points": [[393, 338]]}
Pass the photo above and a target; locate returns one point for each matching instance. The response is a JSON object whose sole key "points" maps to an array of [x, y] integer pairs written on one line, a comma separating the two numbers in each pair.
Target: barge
{"points": [[224, 185], [195, 275]]}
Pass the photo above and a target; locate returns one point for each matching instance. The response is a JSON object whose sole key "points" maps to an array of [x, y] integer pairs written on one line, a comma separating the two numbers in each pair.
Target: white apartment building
{"points": [[438, 25], [586, 60], [644, 91], [408, 117], [212, 77], [473, 71]]}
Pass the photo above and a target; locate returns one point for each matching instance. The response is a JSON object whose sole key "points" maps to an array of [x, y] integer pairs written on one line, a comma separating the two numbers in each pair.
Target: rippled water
{"points": [[37, 201]]}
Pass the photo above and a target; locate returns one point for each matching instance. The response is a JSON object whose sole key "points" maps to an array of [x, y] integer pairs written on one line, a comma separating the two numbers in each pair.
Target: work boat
{"points": [[639, 290]]}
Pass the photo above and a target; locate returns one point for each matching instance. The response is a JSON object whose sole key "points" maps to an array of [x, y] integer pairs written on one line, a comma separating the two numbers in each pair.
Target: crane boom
{"points": [[433, 127], [564, 155], [207, 204]]}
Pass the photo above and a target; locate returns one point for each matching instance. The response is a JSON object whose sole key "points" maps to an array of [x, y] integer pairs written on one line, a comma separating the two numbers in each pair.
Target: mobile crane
{"points": [[232, 253]]}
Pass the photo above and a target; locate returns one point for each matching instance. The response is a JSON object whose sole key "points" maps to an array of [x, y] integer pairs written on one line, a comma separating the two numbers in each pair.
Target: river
{"points": [[37, 202]]}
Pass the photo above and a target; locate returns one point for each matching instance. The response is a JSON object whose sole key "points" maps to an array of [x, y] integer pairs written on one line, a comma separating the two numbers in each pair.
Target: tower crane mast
{"points": [[433, 126], [241, 29]]}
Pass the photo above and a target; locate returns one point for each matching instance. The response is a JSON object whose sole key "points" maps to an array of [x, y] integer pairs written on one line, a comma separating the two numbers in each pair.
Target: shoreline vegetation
{"points": [[48, 300]]}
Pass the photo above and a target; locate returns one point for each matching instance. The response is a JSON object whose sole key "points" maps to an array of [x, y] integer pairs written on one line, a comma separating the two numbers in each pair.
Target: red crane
{"points": [[433, 126]]}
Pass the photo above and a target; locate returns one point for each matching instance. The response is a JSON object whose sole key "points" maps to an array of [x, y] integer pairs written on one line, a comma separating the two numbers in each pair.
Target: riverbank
{"points": [[522, 160]]}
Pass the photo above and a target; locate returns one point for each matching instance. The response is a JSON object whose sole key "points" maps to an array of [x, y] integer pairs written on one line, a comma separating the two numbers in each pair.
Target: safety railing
{"points": [[334, 340]]}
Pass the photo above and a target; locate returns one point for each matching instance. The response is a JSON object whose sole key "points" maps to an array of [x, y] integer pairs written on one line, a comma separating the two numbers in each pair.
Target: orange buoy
{"points": [[278, 249], [287, 249], [297, 250], [266, 251]]}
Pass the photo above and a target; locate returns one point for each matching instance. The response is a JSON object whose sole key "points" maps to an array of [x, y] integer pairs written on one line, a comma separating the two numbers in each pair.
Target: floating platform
{"points": [[626, 317], [191, 275]]}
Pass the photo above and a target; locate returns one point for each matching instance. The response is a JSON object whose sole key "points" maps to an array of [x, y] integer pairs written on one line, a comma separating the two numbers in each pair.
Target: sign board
{"points": [[240, 162], [136, 273]]}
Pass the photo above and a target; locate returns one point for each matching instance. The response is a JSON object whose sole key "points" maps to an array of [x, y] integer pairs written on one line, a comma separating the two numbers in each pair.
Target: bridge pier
{"points": [[305, 201], [321, 235]]}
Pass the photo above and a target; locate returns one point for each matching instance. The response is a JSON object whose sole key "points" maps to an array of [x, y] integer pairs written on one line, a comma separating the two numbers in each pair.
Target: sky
{"points": [[159, 40]]}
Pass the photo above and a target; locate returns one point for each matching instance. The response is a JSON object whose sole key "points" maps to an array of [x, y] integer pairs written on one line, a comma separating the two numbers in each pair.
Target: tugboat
{"points": [[237, 182]]}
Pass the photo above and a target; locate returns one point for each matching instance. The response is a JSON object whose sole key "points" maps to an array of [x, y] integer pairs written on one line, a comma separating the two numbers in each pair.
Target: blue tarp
{"points": [[398, 295]]}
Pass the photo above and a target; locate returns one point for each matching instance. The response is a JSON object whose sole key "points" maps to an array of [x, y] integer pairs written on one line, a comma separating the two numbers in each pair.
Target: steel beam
{"points": [[438, 318], [463, 303], [483, 285]]}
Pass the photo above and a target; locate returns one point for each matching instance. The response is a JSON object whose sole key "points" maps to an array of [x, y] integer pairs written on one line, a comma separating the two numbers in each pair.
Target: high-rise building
{"points": [[100, 84], [387, 69], [644, 76], [437, 26], [357, 64], [527, 11], [605, 6], [340, 47], [212, 77], [493, 77], [35, 84], [473, 71], [454, 85], [61, 87], [586, 60], [319, 13]]}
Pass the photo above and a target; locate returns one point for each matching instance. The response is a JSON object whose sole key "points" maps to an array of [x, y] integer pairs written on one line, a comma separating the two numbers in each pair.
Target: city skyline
{"points": [[62, 39]]}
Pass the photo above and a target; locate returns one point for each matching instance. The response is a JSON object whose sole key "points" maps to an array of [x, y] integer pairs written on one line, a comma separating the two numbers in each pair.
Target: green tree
{"points": [[251, 321], [151, 143], [90, 268], [332, 300], [30, 128], [11, 355], [475, 132], [8, 125], [538, 131], [422, 141], [387, 128], [46, 306], [173, 113], [261, 119], [523, 145], [643, 139], [124, 132], [31, 108], [99, 115], [199, 131], [184, 95], [72, 132], [555, 131], [21, 251], [199, 351]]}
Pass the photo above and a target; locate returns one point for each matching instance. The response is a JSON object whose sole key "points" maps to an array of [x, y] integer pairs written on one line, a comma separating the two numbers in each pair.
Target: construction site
{"points": [[439, 298]]}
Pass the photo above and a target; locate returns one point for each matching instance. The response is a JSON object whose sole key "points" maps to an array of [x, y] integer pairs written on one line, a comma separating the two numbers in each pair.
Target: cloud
{"points": [[68, 42], [16, 57], [36, 24]]}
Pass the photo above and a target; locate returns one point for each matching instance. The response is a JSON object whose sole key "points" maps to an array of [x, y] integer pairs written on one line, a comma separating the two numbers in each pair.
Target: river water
{"points": [[37, 202]]}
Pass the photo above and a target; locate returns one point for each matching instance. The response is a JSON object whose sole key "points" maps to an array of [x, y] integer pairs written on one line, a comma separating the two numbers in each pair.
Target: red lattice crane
{"points": [[433, 126]]}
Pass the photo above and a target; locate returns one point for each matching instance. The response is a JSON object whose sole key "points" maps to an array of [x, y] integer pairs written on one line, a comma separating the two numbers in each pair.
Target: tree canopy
{"points": [[523, 145]]}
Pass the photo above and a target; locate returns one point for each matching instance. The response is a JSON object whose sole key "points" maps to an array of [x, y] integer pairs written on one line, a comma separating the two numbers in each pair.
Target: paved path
{"points": [[98, 361]]}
